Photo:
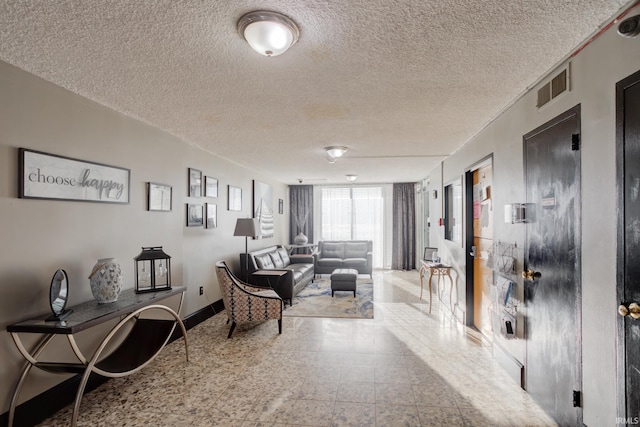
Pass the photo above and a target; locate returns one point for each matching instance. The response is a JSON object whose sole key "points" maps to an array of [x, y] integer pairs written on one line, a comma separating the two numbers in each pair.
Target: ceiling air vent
{"points": [[553, 88]]}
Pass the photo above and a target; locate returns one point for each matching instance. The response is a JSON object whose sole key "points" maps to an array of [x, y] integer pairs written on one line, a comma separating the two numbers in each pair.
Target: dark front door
{"points": [[552, 259], [628, 159]]}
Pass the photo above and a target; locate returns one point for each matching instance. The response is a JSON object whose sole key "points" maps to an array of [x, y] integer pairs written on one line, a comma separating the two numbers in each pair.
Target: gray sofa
{"points": [[298, 270], [333, 254]]}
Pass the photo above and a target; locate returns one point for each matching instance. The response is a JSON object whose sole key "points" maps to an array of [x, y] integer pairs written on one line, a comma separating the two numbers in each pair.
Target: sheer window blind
{"points": [[354, 213]]}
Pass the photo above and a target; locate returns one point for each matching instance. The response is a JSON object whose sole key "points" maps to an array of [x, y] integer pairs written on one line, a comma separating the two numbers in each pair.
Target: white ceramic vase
{"points": [[106, 280], [300, 239]]}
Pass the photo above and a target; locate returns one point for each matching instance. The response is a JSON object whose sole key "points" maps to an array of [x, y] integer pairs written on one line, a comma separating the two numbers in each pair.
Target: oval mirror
{"points": [[58, 295]]}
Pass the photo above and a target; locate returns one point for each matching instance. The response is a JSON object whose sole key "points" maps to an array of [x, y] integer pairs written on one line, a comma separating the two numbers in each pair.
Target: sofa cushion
{"points": [[264, 261], [355, 250], [329, 262], [284, 255], [357, 263], [277, 261], [333, 250]]}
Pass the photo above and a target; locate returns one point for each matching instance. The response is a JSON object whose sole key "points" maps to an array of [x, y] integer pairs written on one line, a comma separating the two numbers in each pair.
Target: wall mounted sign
{"points": [[49, 176]]}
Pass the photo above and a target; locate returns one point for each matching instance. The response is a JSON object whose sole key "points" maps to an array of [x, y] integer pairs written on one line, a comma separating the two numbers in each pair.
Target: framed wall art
{"points": [[263, 208], [49, 176], [159, 197], [194, 215], [195, 183], [234, 202], [211, 215], [210, 187]]}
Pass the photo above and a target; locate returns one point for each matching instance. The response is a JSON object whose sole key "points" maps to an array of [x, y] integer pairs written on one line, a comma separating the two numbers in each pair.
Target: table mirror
{"points": [[58, 295]]}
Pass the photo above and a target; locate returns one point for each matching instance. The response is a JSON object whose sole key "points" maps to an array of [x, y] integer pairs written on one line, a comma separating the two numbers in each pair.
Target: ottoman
{"points": [[344, 279]]}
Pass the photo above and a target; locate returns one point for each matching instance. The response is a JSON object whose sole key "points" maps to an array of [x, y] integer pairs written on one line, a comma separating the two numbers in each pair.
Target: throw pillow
{"points": [[264, 261], [277, 261]]}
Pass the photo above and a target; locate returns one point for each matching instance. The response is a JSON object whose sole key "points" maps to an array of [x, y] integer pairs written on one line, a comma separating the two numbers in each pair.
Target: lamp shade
{"points": [[268, 33], [247, 227]]}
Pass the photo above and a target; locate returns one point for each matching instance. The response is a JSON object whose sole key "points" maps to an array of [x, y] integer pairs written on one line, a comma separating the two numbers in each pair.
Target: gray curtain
{"points": [[403, 256], [301, 211]]}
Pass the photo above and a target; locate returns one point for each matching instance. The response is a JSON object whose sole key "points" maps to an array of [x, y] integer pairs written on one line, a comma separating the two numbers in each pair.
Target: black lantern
{"points": [[153, 270]]}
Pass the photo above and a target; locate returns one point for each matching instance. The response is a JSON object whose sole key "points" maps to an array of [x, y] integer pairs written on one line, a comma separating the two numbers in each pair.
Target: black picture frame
{"points": [[159, 197], [195, 215], [210, 186], [211, 215], [53, 177], [195, 182]]}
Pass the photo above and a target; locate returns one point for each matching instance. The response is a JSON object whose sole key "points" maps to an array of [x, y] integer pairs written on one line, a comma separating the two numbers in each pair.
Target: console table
{"points": [[435, 269], [141, 345]]}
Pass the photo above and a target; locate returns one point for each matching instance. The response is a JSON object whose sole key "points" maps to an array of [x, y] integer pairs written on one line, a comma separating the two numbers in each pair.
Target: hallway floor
{"points": [[405, 367]]}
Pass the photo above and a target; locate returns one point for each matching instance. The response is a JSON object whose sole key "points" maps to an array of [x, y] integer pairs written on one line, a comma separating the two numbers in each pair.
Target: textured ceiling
{"points": [[403, 84]]}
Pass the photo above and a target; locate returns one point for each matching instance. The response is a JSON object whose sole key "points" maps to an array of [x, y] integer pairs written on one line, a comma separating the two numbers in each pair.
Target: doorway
{"points": [[482, 243], [628, 269], [552, 257]]}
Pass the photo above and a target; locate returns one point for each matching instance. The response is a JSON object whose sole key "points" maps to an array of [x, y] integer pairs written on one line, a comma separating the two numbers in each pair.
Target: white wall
{"points": [[595, 72], [39, 236]]}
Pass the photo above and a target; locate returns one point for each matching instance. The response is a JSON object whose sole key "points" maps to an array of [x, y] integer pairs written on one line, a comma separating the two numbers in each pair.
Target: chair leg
{"points": [[233, 326], [354, 293], [280, 326]]}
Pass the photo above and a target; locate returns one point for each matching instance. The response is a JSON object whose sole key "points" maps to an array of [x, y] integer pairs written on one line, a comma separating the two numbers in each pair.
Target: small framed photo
{"points": [[159, 197], [194, 215], [210, 187], [212, 215], [280, 206], [234, 198], [195, 183]]}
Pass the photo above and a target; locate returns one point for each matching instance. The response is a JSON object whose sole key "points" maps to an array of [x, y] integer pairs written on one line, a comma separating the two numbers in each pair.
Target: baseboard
{"points": [[47, 403], [513, 367]]}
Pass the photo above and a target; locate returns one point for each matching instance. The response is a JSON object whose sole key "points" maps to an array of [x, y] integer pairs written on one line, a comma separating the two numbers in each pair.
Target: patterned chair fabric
{"points": [[245, 303]]}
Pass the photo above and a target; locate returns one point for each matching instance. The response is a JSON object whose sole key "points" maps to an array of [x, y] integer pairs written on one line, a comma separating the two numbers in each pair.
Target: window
{"points": [[354, 213], [453, 212]]}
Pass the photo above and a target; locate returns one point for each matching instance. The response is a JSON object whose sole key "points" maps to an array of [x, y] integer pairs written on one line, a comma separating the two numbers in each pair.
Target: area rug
{"points": [[315, 301]]}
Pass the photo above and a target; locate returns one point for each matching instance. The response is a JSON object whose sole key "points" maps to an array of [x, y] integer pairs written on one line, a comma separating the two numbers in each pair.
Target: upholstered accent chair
{"points": [[245, 303]]}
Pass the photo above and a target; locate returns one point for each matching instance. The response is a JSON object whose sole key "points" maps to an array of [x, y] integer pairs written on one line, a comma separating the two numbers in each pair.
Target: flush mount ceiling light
{"points": [[335, 151], [351, 177], [268, 33]]}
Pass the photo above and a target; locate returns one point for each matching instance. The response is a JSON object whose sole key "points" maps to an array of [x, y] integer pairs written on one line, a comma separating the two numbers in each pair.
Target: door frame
{"points": [[621, 241], [468, 235]]}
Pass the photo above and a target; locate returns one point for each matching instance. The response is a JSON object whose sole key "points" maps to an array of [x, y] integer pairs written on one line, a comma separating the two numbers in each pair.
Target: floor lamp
{"points": [[247, 227]]}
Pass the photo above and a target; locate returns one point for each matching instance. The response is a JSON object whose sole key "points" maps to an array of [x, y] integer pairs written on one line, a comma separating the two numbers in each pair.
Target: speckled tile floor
{"points": [[405, 367]]}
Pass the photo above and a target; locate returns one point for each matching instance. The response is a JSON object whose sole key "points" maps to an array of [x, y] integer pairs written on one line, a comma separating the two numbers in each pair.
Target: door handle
{"points": [[632, 310], [474, 252], [531, 275]]}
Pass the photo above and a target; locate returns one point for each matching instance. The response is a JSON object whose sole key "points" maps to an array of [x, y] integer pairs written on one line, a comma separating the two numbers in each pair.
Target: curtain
{"points": [[301, 211], [403, 255]]}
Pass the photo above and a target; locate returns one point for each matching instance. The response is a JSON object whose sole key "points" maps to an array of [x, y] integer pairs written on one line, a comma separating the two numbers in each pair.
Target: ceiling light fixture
{"points": [[268, 33], [351, 177], [336, 151]]}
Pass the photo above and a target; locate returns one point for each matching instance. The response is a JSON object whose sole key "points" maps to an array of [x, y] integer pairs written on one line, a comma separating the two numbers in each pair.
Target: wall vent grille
{"points": [[554, 87]]}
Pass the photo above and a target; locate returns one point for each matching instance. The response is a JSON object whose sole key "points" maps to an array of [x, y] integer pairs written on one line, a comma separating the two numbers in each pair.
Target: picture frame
{"points": [[195, 182], [210, 186], [263, 208], [234, 198], [159, 197], [194, 215], [53, 177], [280, 206], [211, 215]]}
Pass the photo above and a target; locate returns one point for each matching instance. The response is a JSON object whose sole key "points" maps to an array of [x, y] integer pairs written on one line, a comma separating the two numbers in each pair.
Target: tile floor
{"points": [[405, 367]]}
